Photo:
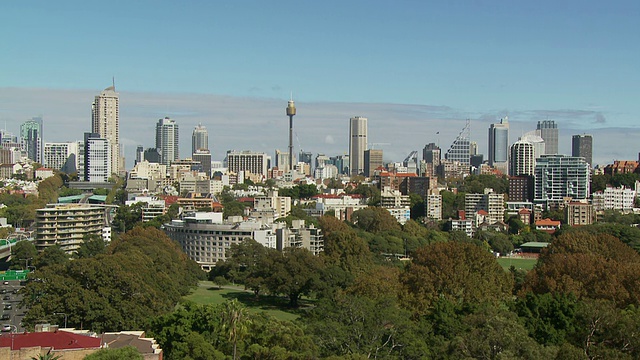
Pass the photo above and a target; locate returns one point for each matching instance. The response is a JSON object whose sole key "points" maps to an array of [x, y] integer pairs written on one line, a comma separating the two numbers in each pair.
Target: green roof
{"points": [[70, 199]]}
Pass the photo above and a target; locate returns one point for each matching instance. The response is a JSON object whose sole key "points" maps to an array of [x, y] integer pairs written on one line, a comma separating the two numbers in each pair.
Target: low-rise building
{"points": [[547, 225], [579, 213]]}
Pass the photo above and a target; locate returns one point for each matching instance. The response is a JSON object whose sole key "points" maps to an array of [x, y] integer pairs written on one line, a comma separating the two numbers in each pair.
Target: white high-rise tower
{"points": [[105, 121], [167, 140], [199, 139]]}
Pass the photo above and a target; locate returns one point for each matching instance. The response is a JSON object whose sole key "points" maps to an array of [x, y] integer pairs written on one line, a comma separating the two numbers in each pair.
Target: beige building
{"points": [[67, 224], [105, 121], [579, 213]]}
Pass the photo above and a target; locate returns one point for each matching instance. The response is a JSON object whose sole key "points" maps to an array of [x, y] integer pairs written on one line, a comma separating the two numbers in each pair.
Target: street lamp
{"points": [[65, 318]]}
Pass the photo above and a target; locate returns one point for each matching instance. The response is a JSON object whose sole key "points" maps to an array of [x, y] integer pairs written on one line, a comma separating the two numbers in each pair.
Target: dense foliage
{"points": [[138, 276]]}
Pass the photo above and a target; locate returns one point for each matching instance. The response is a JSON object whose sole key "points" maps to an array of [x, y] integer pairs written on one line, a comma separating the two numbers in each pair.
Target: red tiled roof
{"points": [[547, 222], [524, 211], [246, 199], [57, 340], [170, 199], [482, 212]]}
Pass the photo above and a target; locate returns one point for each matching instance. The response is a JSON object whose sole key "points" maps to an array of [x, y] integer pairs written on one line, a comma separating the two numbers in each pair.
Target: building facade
{"points": [[499, 145], [62, 156], [167, 140], [105, 121], [66, 225], [582, 146], [523, 158], [372, 161], [558, 177], [31, 138], [548, 130], [253, 162], [357, 144], [97, 158], [199, 139]]}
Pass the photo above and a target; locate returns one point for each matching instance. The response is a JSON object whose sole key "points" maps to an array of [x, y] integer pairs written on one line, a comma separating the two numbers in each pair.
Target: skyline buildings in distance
{"points": [[582, 146], [167, 140], [199, 139], [548, 131], [105, 121], [357, 144], [499, 145]]}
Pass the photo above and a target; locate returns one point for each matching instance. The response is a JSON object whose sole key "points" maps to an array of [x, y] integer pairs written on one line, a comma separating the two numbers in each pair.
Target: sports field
{"points": [[518, 263]]}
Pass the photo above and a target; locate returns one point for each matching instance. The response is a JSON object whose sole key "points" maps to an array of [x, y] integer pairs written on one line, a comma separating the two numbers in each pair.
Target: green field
{"points": [[209, 293], [519, 263]]}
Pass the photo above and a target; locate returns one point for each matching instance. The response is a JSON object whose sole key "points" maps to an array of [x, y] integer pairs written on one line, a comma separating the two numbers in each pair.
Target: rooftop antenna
{"points": [[113, 82]]}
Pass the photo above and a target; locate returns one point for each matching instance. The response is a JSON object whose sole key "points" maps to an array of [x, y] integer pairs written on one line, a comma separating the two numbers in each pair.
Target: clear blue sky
{"points": [[471, 55]]}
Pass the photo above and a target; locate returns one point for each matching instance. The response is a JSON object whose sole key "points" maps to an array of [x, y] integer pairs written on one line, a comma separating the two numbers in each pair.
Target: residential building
{"points": [[63, 156], [579, 213], [582, 146], [521, 188], [434, 207], [621, 199], [167, 140], [547, 225], [66, 225], [523, 158], [151, 208], [271, 206], [357, 144], [298, 235], [558, 177], [489, 201], [105, 121], [548, 130], [204, 158], [622, 167], [499, 145], [342, 205]]}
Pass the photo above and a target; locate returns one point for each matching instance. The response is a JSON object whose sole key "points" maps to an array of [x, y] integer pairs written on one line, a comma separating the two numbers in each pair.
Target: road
{"points": [[10, 304]]}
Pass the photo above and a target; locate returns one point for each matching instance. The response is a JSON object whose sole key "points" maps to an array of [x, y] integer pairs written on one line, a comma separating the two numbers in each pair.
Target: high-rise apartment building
{"points": [[31, 138], [67, 225], [431, 154], [499, 145], [63, 156], [582, 146], [97, 158], [372, 161], [434, 207], [199, 139], [357, 144], [204, 158], [253, 162], [523, 158], [105, 121], [548, 130], [558, 177], [167, 141]]}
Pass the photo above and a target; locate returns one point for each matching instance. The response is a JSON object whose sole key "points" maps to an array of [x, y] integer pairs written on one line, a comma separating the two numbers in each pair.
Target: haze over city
{"points": [[413, 69]]}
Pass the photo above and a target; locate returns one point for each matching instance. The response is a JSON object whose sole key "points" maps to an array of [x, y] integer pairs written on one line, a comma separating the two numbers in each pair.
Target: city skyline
{"points": [[416, 66]]}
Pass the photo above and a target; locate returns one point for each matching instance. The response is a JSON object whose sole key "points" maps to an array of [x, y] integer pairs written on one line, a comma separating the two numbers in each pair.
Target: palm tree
{"points": [[235, 320], [47, 356]]}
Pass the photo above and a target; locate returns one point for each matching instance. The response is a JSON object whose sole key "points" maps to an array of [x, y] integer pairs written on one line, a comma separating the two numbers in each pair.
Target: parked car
{"points": [[3, 291], [5, 283], [6, 316], [6, 327], [7, 307], [6, 297]]}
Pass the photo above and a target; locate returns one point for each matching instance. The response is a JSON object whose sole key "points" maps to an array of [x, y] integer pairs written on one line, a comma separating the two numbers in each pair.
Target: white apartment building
{"points": [[152, 206], [490, 202], [611, 198], [67, 224], [97, 159], [63, 156], [271, 206], [248, 161]]}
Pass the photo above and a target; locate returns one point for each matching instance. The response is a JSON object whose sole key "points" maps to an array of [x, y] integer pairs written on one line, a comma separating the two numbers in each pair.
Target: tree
{"points": [[375, 219], [127, 352], [594, 266], [235, 321], [52, 255], [248, 263], [549, 318], [457, 271], [294, 273], [21, 253], [92, 245]]}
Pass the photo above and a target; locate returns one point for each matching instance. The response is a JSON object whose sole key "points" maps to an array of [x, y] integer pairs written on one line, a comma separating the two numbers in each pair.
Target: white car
{"points": [[6, 328]]}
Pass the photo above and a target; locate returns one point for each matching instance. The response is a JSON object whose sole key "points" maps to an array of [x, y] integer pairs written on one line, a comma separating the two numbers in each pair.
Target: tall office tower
{"points": [[499, 145], [167, 140], [357, 144], [305, 157], [199, 139], [139, 154], [97, 158], [249, 161], [31, 138], [372, 161], [62, 156], [291, 112], [460, 148], [204, 157], [539, 146], [582, 146], [473, 148], [523, 158], [105, 121], [558, 177], [548, 130], [431, 154]]}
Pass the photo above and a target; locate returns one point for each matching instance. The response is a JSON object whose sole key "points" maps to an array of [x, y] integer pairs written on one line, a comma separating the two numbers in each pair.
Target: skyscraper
{"points": [[167, 140], [199, 139], [372, 161], [31, 138], [460, 150], [558, 177], [548, 130], [523, 158], [582, 146], [499, 145], [105, 121], [431, 154], [357, 144]]}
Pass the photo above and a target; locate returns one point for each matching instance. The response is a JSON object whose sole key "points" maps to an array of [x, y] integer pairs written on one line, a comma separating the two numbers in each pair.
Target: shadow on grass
{"points": [[268, 302]]}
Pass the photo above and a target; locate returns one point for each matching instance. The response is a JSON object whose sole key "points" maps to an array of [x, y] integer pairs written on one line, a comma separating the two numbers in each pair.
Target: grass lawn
{"points": [[519, 263], [209, 293]]}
